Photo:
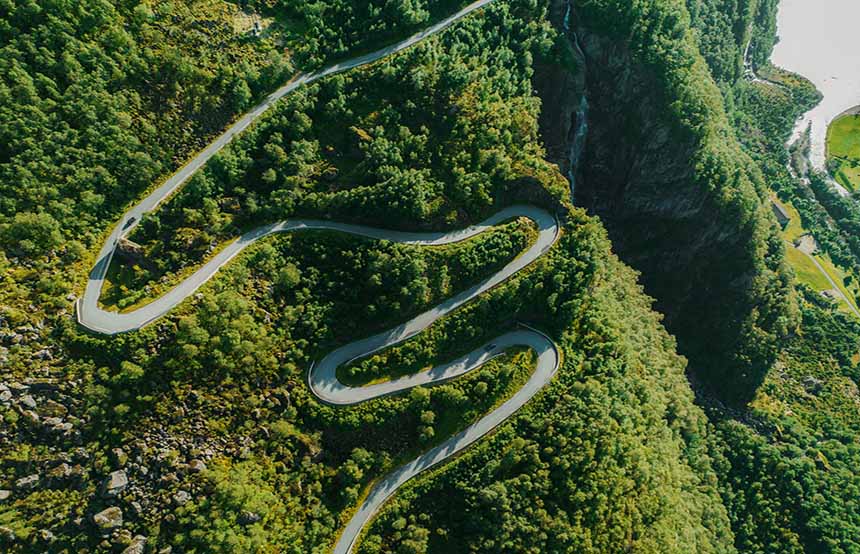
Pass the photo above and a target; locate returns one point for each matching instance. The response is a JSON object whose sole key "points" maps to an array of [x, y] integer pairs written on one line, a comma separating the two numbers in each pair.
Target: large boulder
{"points": [[137, 546], [247, 517], [28, 401], [28, 482], [115, 483], [108, 519]]}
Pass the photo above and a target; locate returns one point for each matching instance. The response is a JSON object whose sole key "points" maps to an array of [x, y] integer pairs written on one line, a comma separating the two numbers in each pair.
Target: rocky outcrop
{"points": [[28, 483], [683, 206], [248, 518], [133, 253], [129, 249]]}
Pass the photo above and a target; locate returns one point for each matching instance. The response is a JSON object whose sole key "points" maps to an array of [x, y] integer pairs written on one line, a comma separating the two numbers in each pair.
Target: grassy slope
{"points": [[807, 272], [843, 150]]}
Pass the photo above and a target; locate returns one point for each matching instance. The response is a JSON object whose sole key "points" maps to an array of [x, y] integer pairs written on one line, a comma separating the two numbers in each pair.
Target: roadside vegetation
{"points": [[122, 93], [206, 412], [224, 447], [128, 286], [350, 148], [805, 269]]}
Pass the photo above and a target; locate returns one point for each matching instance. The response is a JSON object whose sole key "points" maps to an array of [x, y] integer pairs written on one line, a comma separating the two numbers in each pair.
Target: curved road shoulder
{"points": [[95, 318], [547, 365], [131, 218], [322, 378]]}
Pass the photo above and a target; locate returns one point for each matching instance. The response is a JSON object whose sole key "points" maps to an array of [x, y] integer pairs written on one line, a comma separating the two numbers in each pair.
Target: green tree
{"points": [[33, 234]]}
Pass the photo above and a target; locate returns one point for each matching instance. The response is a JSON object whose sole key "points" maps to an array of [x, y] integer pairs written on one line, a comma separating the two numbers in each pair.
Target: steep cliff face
{"points": [[682, 203], [562, 89]]}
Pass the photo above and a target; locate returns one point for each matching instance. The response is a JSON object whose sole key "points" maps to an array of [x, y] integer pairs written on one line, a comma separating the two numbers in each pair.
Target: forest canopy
{"points": [[199, 433]]}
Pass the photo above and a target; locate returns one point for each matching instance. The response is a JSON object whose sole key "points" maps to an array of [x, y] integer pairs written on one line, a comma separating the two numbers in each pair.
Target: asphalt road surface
{"points": [[322, 378]]}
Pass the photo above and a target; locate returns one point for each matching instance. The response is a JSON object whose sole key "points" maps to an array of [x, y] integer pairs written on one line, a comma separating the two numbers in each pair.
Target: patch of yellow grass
{"points": [[805, 270]]}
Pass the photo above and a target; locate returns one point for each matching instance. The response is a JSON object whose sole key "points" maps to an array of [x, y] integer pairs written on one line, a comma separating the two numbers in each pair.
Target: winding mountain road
{"points": [[547, 364], [322, 378], [131, 218]]}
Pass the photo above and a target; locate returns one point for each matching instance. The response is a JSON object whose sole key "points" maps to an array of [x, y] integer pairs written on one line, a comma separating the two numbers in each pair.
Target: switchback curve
{"points": [[322, 378]]}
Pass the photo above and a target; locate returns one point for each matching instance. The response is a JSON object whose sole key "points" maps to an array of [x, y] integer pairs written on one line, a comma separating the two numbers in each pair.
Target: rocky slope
{"points": [[682, 203]]}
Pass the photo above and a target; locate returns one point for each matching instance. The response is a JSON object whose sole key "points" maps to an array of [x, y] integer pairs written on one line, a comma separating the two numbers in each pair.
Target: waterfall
{"points": [[567, 17], [577, 145], [577, 142], [576, 138]]}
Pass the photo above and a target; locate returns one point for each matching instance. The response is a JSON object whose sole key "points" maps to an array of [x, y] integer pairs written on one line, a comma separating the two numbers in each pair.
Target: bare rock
{"points": [[28, 401], [80, 454], [108, 519], [196, 466], [27, 483], [813, 384], [7, 534], [247, 517], [62, 428], [62, 471], [121, 537], [137, 508], [181, 497], [115, 483], [137, 546], [55, 408], [41, 384], [5, 494], [130, 250]]}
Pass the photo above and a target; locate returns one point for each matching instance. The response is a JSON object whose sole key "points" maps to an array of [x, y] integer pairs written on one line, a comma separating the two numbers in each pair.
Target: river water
{"points": [[818, 39]]}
